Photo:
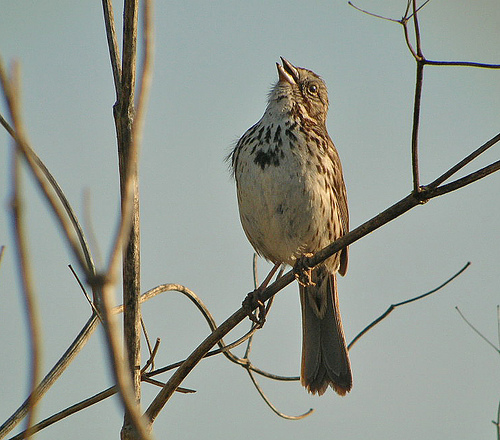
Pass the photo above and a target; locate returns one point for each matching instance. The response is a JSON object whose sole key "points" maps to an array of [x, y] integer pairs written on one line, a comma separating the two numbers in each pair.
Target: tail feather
{"points": [[325, 360]]}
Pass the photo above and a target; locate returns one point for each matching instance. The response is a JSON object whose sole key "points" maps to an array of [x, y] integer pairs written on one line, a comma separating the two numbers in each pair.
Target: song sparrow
{"points": [[292, 201]]}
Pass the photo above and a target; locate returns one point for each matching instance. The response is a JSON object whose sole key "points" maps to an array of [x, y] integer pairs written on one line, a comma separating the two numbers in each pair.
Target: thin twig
{"points": [[151, 360], [114, 53], [460, 183], [41, 180], [497, 349], [60, 194], [445, 176], [417, 10], [67, 412], [52, 375], [371, 14], [146, 337], [416, 54], [461, 64], [415, 128], [270, 405], [497, 422], [2, 248], [82, 288], [416, 28], [87, 221], [86, 403], [68, 356], [12, 92], [392, 307], [498, 324]]}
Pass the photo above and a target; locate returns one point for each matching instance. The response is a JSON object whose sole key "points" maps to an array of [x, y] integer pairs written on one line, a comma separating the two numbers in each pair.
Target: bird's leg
{"points": [[302, 271], [253, 300]]}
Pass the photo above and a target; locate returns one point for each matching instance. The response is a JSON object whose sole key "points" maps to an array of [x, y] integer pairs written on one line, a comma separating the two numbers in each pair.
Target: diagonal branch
{"points": [[394, 211], [445, 176], [484, 338]]}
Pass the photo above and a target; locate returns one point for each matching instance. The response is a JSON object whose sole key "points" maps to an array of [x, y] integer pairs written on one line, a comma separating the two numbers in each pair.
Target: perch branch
{"points": [[394, 211]]}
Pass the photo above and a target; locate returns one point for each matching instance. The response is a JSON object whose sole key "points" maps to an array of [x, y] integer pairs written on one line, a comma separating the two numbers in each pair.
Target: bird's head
{"points": [[299, 91]]}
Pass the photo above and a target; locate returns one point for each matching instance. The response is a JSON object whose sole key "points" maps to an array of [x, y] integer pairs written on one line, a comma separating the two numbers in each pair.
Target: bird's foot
{"points": [[302, 271], [251, 302]]}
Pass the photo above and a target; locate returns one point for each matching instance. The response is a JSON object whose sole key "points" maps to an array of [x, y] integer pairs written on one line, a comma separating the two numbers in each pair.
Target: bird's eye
{"points": [[312, 89]]}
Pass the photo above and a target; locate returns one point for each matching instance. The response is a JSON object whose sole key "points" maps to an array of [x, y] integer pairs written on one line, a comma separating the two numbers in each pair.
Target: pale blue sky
{"points": [[422, 373]]}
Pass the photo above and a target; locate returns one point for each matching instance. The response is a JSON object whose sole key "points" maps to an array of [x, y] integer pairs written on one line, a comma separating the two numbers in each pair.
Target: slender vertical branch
{"points": [[416, 124], [497, 422], [114, 54], [128, 232], [127, 153], [417, 28], [418, 95], [12, 88]]}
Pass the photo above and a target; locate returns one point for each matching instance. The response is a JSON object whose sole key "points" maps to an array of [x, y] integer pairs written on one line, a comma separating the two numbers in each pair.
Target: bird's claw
{"points": [[249, 304], [302, 271]]}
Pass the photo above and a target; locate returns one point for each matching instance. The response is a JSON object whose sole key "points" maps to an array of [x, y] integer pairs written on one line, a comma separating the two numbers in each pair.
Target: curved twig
{"points": [[270, 405], [64, 361], [392, 307], [45, 182]]}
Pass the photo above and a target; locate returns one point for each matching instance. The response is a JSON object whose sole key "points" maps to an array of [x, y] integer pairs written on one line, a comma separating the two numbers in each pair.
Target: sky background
{"points": [[422, 373]]}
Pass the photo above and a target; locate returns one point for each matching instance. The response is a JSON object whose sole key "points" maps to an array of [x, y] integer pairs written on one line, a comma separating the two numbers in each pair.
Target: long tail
{"points": [[325, 360]]}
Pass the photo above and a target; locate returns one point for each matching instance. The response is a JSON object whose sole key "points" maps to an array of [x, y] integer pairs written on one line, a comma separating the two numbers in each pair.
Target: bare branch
{"points": [[416, 121], [2, 249], [376, 222], [461, 64], [464, 181], [52, 375], [12, 91], [151, 360], [114, 53], [416, 28], [60, 194], [82, 288], [67, 412], [477, 331], [371, 14], [67, 358], [128, 134], [445, 176], [39, 175], [273, 408], [498, 324], [497, 422], [392, 307]]}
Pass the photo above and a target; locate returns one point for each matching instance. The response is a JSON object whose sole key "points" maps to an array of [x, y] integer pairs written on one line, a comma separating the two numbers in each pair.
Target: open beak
{"points": [[287, 72]]}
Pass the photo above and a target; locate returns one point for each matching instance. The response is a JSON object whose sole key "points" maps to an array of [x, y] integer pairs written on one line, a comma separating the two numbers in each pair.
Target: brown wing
{"points": [[341, 197]]}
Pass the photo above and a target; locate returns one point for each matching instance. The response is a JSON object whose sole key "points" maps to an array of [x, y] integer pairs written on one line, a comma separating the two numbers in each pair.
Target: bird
{"points": [[292, 202]]}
